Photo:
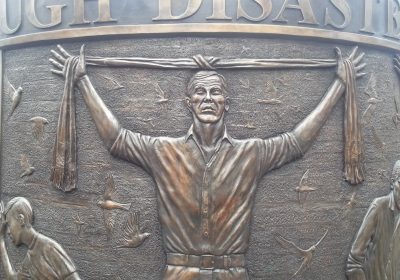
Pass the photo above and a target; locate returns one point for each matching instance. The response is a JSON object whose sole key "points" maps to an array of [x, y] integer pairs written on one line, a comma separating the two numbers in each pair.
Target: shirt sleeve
{"points": [[278, 150], [356, 259], [59, 262], [135, 148]]}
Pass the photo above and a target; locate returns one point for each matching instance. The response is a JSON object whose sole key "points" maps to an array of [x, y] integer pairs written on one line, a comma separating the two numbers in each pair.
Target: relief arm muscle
{"points": [[8, 269], [106, 123], [307, 130]]}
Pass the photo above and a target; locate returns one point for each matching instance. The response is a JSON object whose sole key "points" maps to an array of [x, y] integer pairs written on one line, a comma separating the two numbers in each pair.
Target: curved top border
{"points": [[199, 28]]}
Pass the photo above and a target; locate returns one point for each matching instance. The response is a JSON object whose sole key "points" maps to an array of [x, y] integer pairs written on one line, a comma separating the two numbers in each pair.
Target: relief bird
{"points": [[161, 94], [132, 236], [107, 202], [307, 254], [78, 223], [373, 99], [302, 188], [244, 83], [38, 124], [27, 168], [350, 204], [108, 205], [377, 140], [15, 95], [273, 93]]}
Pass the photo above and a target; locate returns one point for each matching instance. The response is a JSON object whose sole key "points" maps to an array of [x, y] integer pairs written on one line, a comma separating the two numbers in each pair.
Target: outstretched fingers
{"points": [[353, 53], [57, 72], [59, 57], [358, 59], [360, 67], [63, 51], [360, 74], [338, 53], [56, 64]]}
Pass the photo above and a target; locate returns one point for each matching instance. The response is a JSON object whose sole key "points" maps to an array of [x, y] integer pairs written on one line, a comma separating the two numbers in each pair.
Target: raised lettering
{"points": [[303, 6], [55, 13], [104, 12], [266, 6], [219, 11], [165, 10], [368, 12], [344, 9], [393, 20], [4, 28]]}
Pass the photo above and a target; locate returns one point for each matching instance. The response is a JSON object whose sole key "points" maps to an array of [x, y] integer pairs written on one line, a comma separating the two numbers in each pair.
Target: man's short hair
{"points": [[201, 75], [21, 206]]}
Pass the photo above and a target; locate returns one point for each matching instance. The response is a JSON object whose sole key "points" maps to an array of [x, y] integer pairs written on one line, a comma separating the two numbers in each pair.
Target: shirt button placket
{"points": [[205, 202]]}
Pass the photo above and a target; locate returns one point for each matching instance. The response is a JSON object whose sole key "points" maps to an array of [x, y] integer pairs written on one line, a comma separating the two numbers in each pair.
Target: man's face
{"points": [[14, 228], [208, 101], [396, 192]]}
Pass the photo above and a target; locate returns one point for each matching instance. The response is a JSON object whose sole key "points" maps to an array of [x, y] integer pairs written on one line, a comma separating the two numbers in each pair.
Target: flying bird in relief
{"points": [[107, 204], [79, 224], [302, 188], [15, 95], [373, 99], [132, 236], [26, 167], [307, 254], [161, 94], [38, 124], [273, 93]]}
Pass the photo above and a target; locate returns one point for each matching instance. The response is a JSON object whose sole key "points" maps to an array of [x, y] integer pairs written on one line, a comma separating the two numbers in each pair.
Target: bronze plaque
{"points": [[200, 139]]}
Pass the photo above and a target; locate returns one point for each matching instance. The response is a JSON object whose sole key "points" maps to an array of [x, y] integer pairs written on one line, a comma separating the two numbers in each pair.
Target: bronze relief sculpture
{"points": [[375, 252], [205, 193], [189, 155], [45, 258]]}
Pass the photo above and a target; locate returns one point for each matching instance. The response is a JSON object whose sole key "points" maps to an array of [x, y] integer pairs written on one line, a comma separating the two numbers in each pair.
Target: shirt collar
{"points": [[190, 134], [33, 242], [392, 201]]}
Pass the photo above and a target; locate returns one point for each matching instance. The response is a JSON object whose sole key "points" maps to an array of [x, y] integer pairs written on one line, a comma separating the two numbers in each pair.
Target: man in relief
{"points": [[45, 258], [375, 253], [206, 180]]}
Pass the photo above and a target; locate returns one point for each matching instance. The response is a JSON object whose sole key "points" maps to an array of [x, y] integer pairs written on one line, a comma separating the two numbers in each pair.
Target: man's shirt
{"points": [[46, 259], [205, 206], [375, 253]]}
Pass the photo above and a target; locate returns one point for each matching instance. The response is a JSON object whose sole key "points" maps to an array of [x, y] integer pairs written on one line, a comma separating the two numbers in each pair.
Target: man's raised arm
{"points": [[307, 130], [106, 123]]}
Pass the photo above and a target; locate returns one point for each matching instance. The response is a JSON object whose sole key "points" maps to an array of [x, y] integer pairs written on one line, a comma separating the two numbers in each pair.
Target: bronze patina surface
{"points": [[195, 139]]}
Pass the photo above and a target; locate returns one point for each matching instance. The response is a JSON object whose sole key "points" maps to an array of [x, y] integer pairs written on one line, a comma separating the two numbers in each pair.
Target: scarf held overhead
{"points": [[64, 170]]}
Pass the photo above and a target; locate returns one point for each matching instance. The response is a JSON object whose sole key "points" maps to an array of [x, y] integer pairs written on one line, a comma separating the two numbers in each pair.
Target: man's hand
{"points": [[60, 60], [341, 70]]}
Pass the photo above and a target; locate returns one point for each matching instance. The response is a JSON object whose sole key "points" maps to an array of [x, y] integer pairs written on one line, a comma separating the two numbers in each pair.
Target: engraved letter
{"points": [[219, 10], [55, 12], [79, 12], [3, 18], [303, 6], [344, 9], [393, 20], [165, 10], [266, 6]]}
